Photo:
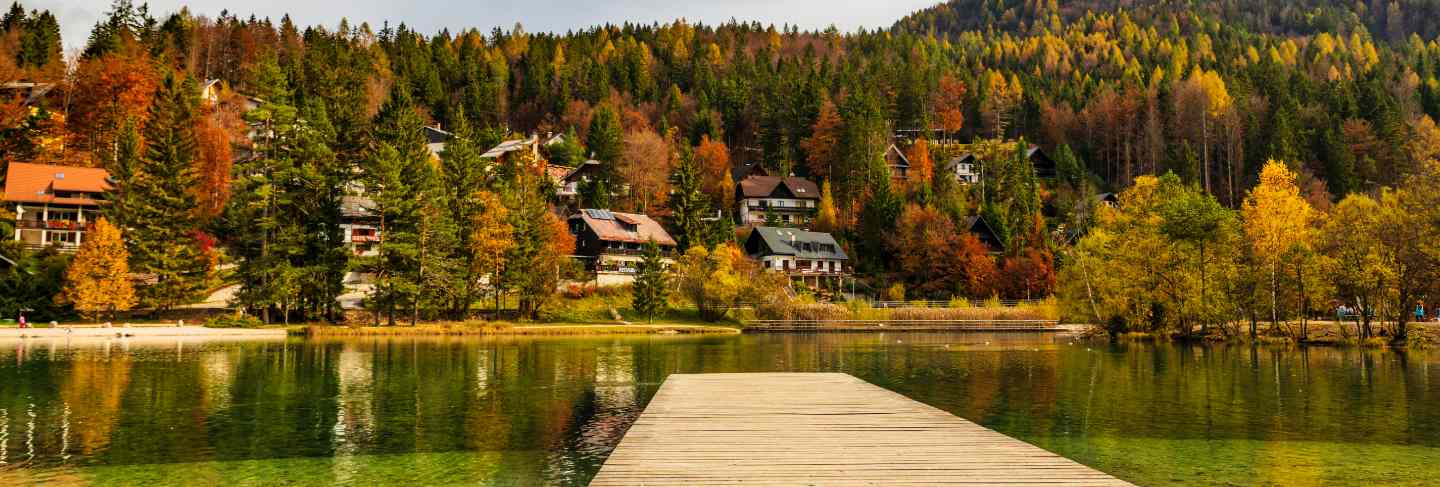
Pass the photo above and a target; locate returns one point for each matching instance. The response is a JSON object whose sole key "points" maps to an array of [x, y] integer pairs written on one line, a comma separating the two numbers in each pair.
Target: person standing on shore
{"points": [[22, 321]]}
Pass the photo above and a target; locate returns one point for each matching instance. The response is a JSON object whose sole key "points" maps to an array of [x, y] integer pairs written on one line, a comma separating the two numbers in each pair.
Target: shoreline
{"points": [[508, 329], [136, 331]]}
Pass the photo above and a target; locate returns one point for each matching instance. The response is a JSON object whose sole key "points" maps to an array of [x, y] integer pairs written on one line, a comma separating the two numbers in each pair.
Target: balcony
{"points": [[54, 225]]}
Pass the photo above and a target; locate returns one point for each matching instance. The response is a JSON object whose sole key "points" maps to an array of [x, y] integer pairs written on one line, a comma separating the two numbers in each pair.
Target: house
{"points": [[613, 243], [897, 162], [435, 140], [798, 253], [569, 184], [966, 168], [987, 235], [54, 205], [1108, 199], [790, 200], [747, 169], [531, 144], [360, 225], [210, 91]]}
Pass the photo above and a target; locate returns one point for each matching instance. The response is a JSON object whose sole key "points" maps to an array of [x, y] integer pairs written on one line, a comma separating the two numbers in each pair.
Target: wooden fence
{"points": [[900, 325]]}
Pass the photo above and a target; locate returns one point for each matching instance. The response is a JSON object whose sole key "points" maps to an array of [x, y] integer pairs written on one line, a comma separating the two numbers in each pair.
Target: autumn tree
{"points": [[98, 280], [713, 159], [1279, 225], [922, 167], [827, 219], [949, 104], [644, 169], [491, 240], [822, 148], [1351, 238]]}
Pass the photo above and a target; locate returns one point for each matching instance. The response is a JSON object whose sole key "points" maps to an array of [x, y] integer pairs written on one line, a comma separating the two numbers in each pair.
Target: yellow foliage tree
{"points": [[1278, 225], [98, 280], [492, 237]]}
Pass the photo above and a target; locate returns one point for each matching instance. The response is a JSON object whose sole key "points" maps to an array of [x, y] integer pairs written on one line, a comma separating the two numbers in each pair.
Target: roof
{"points": [[357, 207], [767, 186], [790, 241], [581, 170], [611, 226], [900, 159], [746, 170], [984, 232], [435, 139], [37, 183], [964, 158], [509, 146], [557, 173]]}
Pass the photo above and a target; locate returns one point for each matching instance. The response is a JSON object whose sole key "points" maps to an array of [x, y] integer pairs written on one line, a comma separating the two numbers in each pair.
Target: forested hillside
{"points": [[1344, 94]]}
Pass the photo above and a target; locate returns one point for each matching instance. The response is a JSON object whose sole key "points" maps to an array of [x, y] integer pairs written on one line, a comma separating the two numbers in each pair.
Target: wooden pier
{"points": [[818, 429]]}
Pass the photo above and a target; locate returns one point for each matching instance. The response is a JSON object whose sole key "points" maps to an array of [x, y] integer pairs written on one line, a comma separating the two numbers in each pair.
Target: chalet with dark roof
{"points": [[612, 244], [789, 200], [987, 235], [898, 164]]}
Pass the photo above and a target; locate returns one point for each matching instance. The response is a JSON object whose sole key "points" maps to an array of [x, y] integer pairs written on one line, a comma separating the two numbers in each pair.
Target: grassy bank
{"points": [[1321, 333], [509, 329], [861, 310]]}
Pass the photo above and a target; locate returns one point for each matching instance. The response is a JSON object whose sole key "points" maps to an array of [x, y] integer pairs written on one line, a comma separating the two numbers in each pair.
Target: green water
{"points": [[547, 411]]}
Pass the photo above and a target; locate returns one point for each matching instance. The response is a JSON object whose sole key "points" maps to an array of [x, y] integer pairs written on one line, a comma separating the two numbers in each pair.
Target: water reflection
{"points": [[548, 411]]}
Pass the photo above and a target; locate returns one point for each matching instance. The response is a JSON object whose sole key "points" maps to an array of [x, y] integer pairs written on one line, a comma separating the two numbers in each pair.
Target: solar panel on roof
{"points": [[600, 214]]}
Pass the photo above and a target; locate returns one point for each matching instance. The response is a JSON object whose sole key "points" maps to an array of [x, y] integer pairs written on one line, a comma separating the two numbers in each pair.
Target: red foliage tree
{"points": [[1029, 275]]}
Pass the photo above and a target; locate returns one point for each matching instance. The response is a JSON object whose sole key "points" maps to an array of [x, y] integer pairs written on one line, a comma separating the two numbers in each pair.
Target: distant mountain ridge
{"points": [[1393, 20]]}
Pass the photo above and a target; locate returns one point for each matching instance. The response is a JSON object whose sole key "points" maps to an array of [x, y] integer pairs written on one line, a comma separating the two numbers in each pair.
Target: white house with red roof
{"points": [[54, 205]]}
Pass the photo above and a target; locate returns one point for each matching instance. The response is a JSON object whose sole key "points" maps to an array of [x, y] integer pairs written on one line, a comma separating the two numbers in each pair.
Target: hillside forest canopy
{"points": [[1188, 99]]}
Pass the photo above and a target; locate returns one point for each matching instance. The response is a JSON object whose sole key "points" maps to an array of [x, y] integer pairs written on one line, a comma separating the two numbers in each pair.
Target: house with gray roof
{"points": [[798, 253]]}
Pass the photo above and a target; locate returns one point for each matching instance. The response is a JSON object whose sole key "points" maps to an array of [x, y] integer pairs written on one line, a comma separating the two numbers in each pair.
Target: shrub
{"points": [[234, 321], [808, 312]]}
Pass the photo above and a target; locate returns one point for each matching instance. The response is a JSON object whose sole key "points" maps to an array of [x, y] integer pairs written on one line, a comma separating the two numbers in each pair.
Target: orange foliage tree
{"points": [[823, 145], [107, 91], [950, 104], [714, 160], [1029, 275], [939, 260]]}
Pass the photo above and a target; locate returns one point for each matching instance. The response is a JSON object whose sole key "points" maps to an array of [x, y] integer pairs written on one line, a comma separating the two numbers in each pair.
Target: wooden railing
{"points": [[901, 325], [1008, 303]]}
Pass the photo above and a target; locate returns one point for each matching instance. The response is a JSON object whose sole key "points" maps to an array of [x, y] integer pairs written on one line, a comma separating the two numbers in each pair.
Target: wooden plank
{"points": [[819, 429]]}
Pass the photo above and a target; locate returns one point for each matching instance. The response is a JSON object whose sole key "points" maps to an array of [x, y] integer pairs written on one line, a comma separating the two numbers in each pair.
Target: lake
{"points": [[547, 411]]}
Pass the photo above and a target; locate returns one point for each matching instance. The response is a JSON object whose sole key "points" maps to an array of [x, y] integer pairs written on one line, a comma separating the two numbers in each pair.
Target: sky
{"points": [[429, 16]]}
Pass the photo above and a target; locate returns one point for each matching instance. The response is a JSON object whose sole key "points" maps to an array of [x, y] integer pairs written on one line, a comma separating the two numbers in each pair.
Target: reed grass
{"points": [[508, 329]]}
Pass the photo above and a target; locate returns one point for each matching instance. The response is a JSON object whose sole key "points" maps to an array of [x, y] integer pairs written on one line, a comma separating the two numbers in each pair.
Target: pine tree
{"points": [[98, 280], [462, 177], [396, 176], [689, 205], [164, 232], [123, 171], [651, 292]]}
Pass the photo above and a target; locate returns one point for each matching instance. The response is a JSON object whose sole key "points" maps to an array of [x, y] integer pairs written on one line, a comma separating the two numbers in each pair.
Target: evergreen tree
{"points": [[396, 177], [463, 175], [123, 170], [164, 233], [651, 292], [689, 205], [606, 143]]}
